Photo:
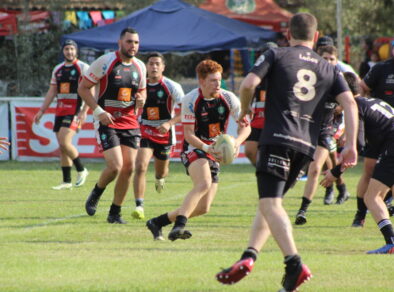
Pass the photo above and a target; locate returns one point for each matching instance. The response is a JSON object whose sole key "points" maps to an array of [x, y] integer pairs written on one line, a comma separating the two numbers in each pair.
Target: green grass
{"points": [[47, 243]]}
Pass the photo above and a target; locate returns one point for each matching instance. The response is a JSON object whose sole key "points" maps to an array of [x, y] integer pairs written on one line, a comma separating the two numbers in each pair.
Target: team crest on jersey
{"points": [[73, 72], [103, 137], [134, 74], [221, 110], [160, 94]]}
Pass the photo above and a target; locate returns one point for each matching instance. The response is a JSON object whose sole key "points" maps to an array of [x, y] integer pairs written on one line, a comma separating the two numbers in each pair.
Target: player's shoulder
{"points": [[230, 98], [82, 64], [139, 62], [172, 85], [191, 96], [58, 66]]}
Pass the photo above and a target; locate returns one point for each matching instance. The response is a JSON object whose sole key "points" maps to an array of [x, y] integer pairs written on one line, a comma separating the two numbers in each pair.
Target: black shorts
{"points": [[371, 152], [109, 137], [328, 142], [160, 151], [69, 121], [277, 169], [190, 156], [384, 169], [254, 135]]}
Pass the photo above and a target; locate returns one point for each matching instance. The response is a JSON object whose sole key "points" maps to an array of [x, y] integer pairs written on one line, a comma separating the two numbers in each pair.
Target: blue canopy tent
{"points": [[175, 26]]}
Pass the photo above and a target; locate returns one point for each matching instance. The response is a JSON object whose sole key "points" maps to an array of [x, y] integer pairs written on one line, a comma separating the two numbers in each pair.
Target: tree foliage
{"points": [[30, 57]]}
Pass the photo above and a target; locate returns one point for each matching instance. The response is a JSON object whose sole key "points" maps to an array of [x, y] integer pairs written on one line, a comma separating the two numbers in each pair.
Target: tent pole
{"points": [[232, 81]]}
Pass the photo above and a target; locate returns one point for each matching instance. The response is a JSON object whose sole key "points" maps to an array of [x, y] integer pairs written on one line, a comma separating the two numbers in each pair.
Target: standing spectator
{"points": [[122, 80], [298, 85], [69, 116], [205, 115], [157, 129]]}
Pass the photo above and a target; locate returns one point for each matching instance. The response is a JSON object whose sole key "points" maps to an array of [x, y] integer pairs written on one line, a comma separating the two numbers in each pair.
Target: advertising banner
{"points": [[38, 142]]}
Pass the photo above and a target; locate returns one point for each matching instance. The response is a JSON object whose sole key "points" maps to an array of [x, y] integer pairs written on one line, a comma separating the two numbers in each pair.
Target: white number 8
{"points": [[304, 89]]}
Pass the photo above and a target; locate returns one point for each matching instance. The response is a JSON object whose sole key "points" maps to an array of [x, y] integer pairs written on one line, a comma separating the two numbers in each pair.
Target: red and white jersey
{"points": [[209, 116], [159, 108], [118, 85], [67, 77]]}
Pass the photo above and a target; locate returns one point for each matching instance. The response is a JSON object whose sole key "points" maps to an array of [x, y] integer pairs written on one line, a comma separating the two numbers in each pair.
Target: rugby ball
{"points": [[225, 146]]}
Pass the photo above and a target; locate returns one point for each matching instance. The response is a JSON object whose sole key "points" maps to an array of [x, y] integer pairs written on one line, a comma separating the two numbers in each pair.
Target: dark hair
{"points": [[303, 26], [128, 30], [206, 67], [70, 43], [352, 81], [324, 41], [327, 49], [156, 55]]}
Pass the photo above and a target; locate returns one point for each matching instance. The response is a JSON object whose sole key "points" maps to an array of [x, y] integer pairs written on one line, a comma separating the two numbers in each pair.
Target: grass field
{"points": [[47, 243]]}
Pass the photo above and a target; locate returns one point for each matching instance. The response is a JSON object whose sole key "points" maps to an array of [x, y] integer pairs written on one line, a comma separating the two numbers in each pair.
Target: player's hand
{"points": [[164, 127], [4, 143], [106, 118], [348, 157], [81, 117], [217, 155], [243, 120], [328, 179], [236, 148], [139, 100], [38, 116]]}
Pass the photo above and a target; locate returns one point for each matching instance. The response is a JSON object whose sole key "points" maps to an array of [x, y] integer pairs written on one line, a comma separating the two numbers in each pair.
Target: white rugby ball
{"points": [[225, 146]]}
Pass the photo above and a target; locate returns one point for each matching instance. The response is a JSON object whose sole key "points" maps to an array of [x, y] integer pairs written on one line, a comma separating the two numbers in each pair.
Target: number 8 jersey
{"points": [[299, 82]]}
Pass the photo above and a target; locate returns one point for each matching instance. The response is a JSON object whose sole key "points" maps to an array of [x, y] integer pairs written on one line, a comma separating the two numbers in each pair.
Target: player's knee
{"points": [[313, 170], [203, 186], [141, 169]]}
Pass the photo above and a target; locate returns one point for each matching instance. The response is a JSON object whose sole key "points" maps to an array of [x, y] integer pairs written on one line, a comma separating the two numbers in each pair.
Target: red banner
{"points": [[38, 141]]}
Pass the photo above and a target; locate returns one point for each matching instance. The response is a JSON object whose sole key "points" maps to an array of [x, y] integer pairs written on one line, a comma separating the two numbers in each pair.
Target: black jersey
{"points": [[381, 81], [327, 126], [299, 83], [376, 122]]}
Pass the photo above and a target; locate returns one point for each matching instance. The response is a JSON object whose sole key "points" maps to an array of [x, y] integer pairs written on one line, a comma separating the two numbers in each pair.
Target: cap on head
{"points": [[70, 43], [324, 41], [269, 45]]}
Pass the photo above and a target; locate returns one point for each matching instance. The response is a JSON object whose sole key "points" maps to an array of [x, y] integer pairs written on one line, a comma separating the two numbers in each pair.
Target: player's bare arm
{"points": [[166, 126], [348, 156], [192, 139], [246, 90], [140, 98], [4, 143], [364, 88], [85, 92], [52, 92]]}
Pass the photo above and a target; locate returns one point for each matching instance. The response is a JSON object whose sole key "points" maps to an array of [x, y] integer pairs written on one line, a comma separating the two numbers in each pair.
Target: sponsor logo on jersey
{"points": [[124, 94], [308, 58], [191, 108]]}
